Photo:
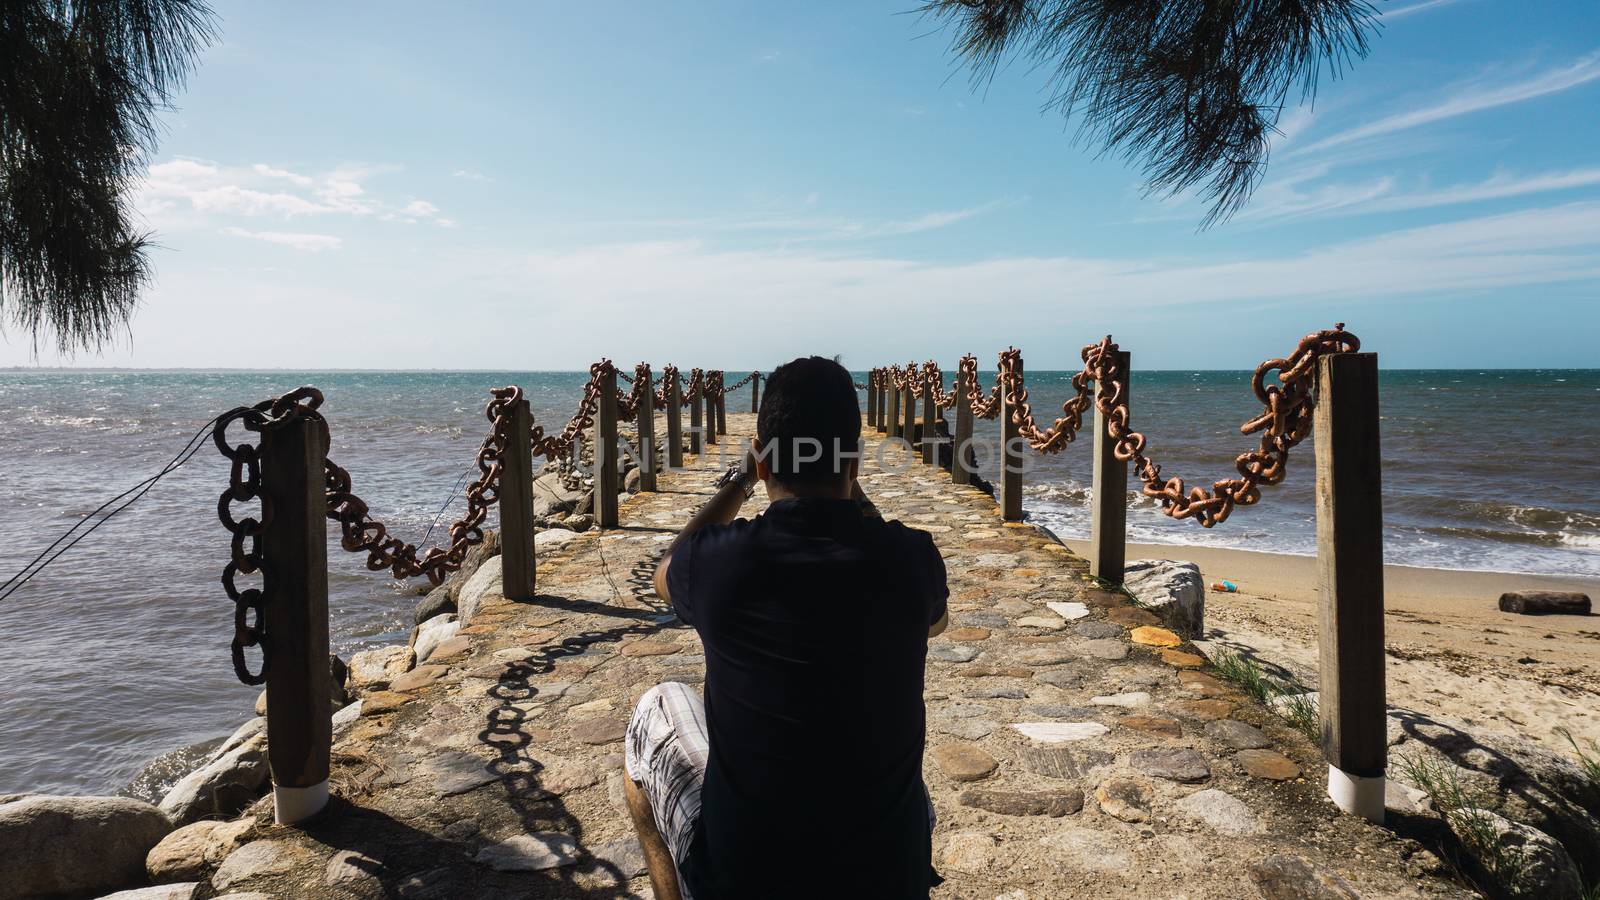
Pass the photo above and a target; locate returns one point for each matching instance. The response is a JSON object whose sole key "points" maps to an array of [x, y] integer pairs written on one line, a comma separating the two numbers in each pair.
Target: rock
{"points": [[1068, 610], [1204, 710], [183, 891], [437, 602], [484, 588], [1171, 589], [1173, 763], [1098, 630], [1237, 735], [421, 676], [1085, 850], [1285, 877], [1199, 684], [579, 523], [630, 482], [1062, 677], [1025, 803], [1545, 603], [1181, 660], [623, 855], [1405, 799], [967, 729], [1152, 725], [1105, 648], [381, 702], [373, 670], [953, 653], [649, 648], [966, 633], [531, 852], [1131, 616], [554, 539], [971, 852], [76, 845], [254, 859], [599, 731], [1062, 762], [1059, 711], [562, 777], [1045, 656], [234, 776], [1221, 811], [1056, 732], [354, 873], [181, 855], [1152, 636], [1531, 863], [1127, 799], [964, 762], [226, 838], [456, 772], [1268, 764], [551, 495], [433, 632], [1128, 700], [449, 649], [1042, 622], [1516, 778], [999, 692]]}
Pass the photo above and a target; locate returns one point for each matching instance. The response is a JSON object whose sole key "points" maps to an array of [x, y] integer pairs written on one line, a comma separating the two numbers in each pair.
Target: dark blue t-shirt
{"points": [[815, 624]]}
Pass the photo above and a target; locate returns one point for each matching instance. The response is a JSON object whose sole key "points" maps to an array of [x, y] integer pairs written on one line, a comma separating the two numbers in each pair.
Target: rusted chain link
{"points": [[364, 534], [244, 484], [983, 406], [742, 382], [933, 381], [669, 376], [714, 388], [697, 380], [628, 405]]}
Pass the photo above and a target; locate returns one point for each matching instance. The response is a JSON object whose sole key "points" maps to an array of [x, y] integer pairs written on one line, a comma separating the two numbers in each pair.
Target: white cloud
{"points": [[1472, 99], [308, 242], [1402, 11], [421, 209], [292, 177], [470, 175], [1287, 198]]}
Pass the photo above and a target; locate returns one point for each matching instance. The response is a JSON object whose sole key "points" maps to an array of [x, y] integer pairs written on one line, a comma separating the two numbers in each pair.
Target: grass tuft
{"points": [[1292, 699], [1590, 764], [1463, 809]]}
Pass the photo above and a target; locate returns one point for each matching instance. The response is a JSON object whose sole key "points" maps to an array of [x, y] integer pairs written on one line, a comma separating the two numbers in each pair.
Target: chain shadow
{"points": [[507, 728]]}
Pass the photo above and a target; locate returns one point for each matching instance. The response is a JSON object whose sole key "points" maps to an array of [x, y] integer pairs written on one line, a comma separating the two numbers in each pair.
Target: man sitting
{"points": [[801, 773]]}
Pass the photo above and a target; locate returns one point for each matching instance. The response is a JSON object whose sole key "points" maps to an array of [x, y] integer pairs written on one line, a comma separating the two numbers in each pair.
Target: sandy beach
{"points": [[1451, 651]]}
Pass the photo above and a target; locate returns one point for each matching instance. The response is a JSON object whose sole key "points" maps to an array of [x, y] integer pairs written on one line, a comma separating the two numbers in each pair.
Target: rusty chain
{"points": [[669, 376], [742, 382], [244, 484], [983, 407], [628, 405]]}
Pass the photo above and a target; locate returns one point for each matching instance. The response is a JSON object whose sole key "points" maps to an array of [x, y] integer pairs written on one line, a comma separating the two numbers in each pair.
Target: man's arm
{"points": [[720, 510], [868, 509]]}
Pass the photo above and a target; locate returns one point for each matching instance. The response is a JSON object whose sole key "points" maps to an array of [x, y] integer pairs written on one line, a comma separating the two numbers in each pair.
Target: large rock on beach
{"points": [[485, 585], [235, 775], [444, 598], [1172, 589], [372, 670], [1513, 777], [75, 845], [432, 633], [1532, 863], [551, 495]]}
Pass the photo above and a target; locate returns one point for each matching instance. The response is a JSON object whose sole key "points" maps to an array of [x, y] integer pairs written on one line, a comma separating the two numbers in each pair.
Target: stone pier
{"points": [[1075, 747]]}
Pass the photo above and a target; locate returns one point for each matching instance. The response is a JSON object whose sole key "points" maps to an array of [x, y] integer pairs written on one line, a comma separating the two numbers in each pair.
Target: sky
{"points": [[535, 185]]}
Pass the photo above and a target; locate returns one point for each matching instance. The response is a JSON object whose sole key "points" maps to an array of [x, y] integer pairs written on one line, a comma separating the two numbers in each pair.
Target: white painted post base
{"points": [[1357, 795], [292, 804]]}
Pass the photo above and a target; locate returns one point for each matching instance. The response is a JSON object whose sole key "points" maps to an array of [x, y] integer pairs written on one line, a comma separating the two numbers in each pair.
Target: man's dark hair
{"points": [[806, 405]]}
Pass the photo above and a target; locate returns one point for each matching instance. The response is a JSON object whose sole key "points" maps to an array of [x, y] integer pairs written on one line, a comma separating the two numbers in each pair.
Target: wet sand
{"points": [[1451, 651]]}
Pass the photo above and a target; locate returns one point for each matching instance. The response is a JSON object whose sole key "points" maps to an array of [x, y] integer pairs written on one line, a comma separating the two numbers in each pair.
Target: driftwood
{"points": [[1541, 603]]}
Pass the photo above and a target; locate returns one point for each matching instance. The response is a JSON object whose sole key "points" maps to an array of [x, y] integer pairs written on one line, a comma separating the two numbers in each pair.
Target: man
{"points": [[801, 774]]}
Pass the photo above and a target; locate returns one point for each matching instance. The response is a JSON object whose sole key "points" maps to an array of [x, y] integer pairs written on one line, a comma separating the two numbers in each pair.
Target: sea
{"points": [[116, 654]]}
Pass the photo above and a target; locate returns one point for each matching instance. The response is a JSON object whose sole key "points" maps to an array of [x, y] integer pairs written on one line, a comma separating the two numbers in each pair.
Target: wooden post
{"points": [[908, 427], [711, 415], [930, 447], [1010, 460], [755, 392], [722, 406], [646, 422], [295, 616], [1350, 582], [892, 428], [960, 473], [696, 433], [517, 565], [605, 454], [674, 424], [872, 398], [1108, 536]]}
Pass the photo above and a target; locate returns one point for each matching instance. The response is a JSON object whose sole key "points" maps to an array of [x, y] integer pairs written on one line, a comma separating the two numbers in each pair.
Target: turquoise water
{"points": [[119, 651]]}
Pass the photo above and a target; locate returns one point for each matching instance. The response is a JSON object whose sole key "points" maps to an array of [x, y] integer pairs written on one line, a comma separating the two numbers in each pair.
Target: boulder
{"points": [[631, 481], [484, 585], [551, 494], [1524, 860], [432, 633], [235, 775], [436, 602], [1171, 589], [75, 845], [1545, 603], [444, 598], [372, 670], [181, 855], [183, 891], [1513, 777]]}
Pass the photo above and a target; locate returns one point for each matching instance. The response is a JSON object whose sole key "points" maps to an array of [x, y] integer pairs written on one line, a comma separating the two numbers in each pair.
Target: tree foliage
{"points": [[81, 84], [1190, 90]]}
